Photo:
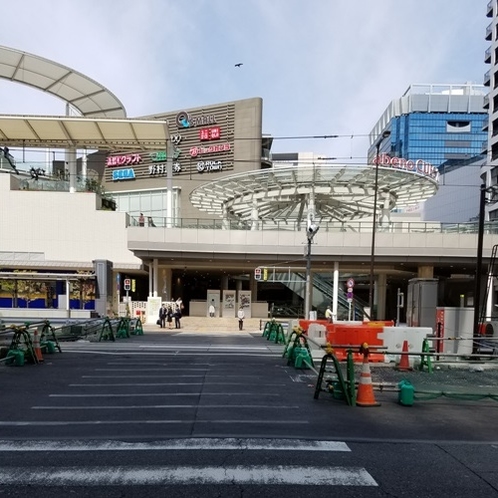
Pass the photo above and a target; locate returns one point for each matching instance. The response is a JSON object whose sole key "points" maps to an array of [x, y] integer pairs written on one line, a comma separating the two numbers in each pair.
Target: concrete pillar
{"points": [[425, 271], [151, 281], [253, 286], [70, 160], [380, 294], [155, 271], [224, 282], [166, 284], [335, 292]]}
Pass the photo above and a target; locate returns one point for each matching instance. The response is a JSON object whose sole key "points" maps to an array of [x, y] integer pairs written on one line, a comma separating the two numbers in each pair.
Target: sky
{"points": [[322, 67]]}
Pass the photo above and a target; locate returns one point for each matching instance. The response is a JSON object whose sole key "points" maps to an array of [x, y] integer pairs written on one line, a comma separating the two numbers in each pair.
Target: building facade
{"points": [[440, 125]]}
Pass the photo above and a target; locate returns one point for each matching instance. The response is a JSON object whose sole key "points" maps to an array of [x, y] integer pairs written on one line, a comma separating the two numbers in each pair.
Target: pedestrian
{"points": [[178, 316], [141, 220], [169, 317], [212, 309], [162, 316], [179, 303], [328, 315], [241, 316]]}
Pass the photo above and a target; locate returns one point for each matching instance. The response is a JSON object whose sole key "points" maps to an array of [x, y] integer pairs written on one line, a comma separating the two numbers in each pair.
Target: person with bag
{"points": [[178, 316]]}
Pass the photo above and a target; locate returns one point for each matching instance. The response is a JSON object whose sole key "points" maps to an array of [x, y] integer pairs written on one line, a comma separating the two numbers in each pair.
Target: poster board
{"points": [[213, 297], [245, 302], [228, 305], [153, 305]]}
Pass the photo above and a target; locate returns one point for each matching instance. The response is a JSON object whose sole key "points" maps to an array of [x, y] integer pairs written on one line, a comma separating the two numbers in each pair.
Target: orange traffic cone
{"points": [[36, 346], [404, 362], [365, 396]]}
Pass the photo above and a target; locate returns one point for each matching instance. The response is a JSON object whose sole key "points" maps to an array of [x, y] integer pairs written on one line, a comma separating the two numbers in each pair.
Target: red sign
{"points": [[213, 133], [123, 160], [209, 149]]}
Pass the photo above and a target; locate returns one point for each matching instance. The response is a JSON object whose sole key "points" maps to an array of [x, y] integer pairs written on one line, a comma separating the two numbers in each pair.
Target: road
{"points": [[197, 415]]}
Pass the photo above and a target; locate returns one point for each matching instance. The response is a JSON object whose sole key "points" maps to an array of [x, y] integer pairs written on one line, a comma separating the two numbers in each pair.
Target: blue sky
{"points": [[321, 66]]}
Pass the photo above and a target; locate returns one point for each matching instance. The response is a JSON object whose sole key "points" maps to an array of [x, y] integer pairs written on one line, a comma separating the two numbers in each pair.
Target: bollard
{"points": [[406, 393]]}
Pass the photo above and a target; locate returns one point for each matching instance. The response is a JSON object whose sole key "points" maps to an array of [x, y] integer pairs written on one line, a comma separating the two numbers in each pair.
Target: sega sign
{"points": [[123, 174]]}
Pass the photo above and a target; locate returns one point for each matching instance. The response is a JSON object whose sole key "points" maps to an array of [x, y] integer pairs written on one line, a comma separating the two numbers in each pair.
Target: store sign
{"points": [[162, 169], [125, 160], [213, 133], [203, 166], [123, 174], [210, 149], [419, 166], [162, 155], [185, 120]]}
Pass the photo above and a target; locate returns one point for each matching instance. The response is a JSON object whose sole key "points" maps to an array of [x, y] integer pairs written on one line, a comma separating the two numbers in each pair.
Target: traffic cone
{"points": [[404, 362], [36, 345], [365, 396]]}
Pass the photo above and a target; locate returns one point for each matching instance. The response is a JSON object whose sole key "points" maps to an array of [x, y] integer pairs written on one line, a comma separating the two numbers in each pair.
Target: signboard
{"points": [[127, 284], [350, 282], [257, 273]]}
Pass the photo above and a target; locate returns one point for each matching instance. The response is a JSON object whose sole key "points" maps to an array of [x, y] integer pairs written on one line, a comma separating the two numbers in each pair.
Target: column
{"points": [[166, 284], [425, 271], [335, 292], [380, 294], [70, 161], [155, 271]]}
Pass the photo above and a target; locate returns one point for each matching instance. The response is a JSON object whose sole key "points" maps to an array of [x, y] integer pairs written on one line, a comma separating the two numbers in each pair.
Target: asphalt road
{"points": [[179, 414]]}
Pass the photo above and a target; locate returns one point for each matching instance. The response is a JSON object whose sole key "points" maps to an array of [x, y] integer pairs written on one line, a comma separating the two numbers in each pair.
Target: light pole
{"points": [[384, 135], [311, 232]]}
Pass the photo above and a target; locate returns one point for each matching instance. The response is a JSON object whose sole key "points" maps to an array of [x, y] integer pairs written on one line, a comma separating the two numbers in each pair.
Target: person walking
{"points": [[328, 315], [241, 315]]}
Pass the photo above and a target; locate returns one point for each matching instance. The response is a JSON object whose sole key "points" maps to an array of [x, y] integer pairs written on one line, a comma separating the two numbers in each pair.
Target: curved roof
{"points": [[78, 132], [341, 192], [90, 98]]}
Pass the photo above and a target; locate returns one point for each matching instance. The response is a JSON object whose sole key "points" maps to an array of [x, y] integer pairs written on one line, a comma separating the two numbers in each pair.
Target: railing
{"points": [[355, 227]]}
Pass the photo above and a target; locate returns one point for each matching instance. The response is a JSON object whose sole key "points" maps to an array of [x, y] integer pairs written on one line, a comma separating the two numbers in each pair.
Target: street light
{"points": [[384, 135], [310, 233]]}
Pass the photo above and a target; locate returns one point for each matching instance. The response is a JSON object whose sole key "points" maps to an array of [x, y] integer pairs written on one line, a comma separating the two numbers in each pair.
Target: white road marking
{"points": [[98, 476], [148, 384], [142, 407], [164, 395], [49, 423], [209, 444]]}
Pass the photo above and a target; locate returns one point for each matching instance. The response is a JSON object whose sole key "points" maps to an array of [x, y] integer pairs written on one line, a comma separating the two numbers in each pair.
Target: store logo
{"points": [[209, 166], [123, 174], [182, 120], [211, 149], [185, 120]]}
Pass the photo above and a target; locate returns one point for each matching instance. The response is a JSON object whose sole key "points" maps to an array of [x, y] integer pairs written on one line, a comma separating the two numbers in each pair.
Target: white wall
{"points": [[64, 227]]}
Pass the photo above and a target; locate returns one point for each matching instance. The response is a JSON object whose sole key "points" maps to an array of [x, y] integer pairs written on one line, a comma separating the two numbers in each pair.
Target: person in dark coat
{"points": [[162, 315], [178, 315]]}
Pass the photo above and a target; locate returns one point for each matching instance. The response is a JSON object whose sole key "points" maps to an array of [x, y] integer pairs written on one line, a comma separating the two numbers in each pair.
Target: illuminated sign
{"points": [[123, 174], [419, 166], [213, 133], [125, 160], [185, 120], [162, 155], [210, 149], [209, 166]]}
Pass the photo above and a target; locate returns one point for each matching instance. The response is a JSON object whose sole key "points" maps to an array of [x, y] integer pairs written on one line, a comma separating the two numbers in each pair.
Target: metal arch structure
{"points": [[84, 94], [332, 192]]}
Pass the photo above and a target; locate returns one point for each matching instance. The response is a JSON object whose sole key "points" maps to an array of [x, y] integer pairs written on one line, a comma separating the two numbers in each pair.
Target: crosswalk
{"points": [[233, 472]]}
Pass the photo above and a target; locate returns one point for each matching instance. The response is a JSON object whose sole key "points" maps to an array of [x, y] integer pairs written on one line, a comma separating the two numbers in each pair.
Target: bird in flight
{"points": [[238, 64]]}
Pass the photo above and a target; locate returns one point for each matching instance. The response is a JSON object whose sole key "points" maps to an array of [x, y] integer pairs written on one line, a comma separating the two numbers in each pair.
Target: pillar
{"points": [[253, 286], [335, 291], [165, 284], [380, 294], [425, 271], [155, 275]]}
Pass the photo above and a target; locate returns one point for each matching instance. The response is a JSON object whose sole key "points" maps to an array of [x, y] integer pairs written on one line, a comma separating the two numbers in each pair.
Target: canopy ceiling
{"points": [[90, 98]]}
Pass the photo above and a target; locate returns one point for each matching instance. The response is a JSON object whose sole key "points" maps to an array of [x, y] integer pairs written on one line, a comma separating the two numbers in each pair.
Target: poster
{"points": [[245, 302], [228, 309]]}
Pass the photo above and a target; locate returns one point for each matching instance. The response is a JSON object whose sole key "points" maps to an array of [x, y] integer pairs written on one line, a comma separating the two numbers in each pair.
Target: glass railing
{"points": [[395, 227]]}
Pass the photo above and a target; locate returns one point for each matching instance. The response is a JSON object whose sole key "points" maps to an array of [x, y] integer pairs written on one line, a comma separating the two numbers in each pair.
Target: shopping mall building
{"points": [[193, 206]]}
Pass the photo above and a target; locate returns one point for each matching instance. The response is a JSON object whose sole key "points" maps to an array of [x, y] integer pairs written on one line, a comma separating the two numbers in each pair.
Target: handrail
{"points": [[420, 227]]}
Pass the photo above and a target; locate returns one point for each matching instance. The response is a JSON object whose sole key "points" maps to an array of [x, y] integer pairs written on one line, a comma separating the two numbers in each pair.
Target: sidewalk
{"points": [[207, 324]]}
